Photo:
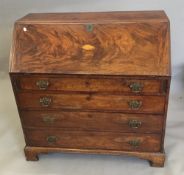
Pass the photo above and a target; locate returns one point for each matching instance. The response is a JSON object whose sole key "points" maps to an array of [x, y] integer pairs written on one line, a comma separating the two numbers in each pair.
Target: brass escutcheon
{"points": [[136, 87], [45, 101], [42, 84], [135, 104], [134, 123], [89, 27], [134, 143], [52, 139]]}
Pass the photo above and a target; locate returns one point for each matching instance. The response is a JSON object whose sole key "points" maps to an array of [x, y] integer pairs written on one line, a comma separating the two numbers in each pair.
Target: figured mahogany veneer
{"points": [[93, 82], [120, 47]]}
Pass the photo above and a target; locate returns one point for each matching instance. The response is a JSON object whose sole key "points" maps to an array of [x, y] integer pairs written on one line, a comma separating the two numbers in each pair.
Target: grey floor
{"points": [[12, 160]]}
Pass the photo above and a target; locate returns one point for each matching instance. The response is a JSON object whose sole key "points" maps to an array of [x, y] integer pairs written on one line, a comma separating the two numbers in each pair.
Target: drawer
{"points": [[89, 84], [93, 140], [145, 104], [98, 121]]}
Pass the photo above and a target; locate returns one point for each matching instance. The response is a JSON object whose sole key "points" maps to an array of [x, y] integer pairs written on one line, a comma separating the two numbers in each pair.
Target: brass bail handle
{"points": [[135, 104], [42, 84], [45, 101], [51, 139], [134, 124], [136, 87], [134, 143]]}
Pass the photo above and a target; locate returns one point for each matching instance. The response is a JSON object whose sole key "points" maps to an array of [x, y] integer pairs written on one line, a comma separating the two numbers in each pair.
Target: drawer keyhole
{"points": [[89, 27]]}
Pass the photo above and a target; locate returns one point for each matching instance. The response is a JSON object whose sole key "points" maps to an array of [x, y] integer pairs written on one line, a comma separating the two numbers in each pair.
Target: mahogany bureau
{"points": [[93, 82]]}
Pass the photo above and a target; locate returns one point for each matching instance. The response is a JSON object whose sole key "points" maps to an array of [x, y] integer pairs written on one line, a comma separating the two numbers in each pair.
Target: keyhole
{"points": [[89, 27]]}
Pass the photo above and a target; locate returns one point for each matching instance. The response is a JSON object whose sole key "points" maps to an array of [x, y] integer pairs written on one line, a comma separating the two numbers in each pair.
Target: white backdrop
{"points": [[12, 161]]}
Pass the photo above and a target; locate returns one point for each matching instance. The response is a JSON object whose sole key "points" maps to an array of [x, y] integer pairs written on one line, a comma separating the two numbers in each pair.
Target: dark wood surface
{"points": [[116, 48], [89, 62], [92, 121]]}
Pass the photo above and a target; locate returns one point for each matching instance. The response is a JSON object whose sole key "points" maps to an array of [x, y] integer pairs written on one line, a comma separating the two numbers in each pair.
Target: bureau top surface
{"points": [[99, 43], [126, 16]]}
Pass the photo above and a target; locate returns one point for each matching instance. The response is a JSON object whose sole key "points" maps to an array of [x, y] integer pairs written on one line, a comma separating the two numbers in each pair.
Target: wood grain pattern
{"points": [[88, 62], [120, 48], [151, 104], [91, 121], [93, 140], [90, 84], [156, 159]]}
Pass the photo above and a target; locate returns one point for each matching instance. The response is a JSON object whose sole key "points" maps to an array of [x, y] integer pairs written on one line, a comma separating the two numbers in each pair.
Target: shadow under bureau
{"points": [[92, 82]]}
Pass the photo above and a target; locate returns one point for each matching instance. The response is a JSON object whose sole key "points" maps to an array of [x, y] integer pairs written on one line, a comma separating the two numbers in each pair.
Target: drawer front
{"points": [[98, 121], [150, 104], [88, 84], [93, 140]]}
